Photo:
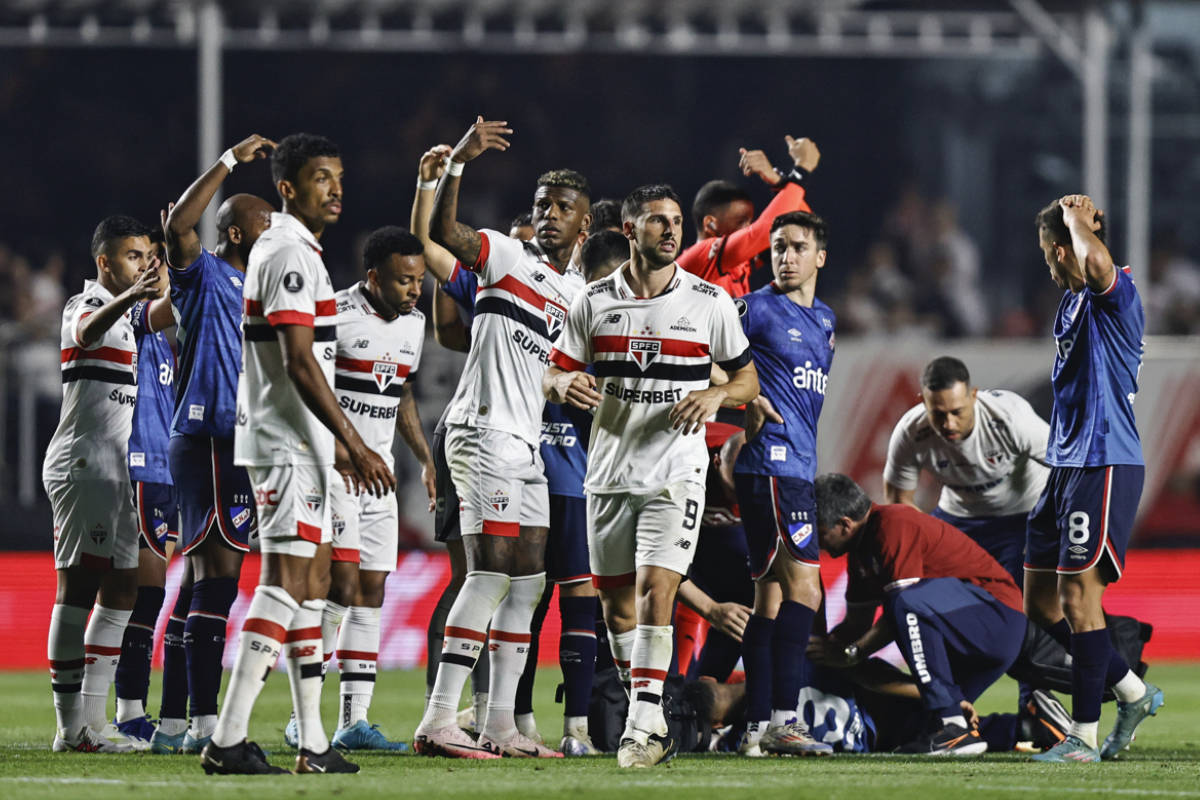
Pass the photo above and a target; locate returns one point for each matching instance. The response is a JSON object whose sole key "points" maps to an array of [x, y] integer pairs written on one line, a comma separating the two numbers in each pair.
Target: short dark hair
{"points": [[943, 372], [636, 200], [606, 213], [566, 179], [602, 248], [521, 221], [295, 150], [387, 240], [114, 228], [808, 221], [1051, 218], [839, 496], [714, 196]]}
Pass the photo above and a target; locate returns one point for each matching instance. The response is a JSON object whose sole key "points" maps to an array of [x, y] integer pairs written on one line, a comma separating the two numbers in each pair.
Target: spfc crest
{"points": [[499, 500], [384, 373], [644, 351], [99, 534], [313, 499], [556, 315]]}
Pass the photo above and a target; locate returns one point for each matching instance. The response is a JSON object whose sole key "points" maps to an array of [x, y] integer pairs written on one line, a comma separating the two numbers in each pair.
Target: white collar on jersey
{"points": [[93, 286], [288, 222], [623, 285]]}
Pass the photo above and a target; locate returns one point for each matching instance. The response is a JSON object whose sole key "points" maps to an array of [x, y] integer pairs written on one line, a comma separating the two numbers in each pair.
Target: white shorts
{"points": [[627, 531], [366, 529], [95, 524], [500, 479], [293, 508]]}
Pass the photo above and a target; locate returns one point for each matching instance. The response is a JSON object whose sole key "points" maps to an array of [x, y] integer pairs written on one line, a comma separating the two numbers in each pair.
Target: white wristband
{"points": [[426, 185], [454, 168], [229, 159]]}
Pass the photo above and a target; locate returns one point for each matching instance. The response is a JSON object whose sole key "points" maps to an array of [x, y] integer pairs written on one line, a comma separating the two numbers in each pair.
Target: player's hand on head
{"points": [[755, 162], [252, 147], [482, 135], [804, 153], [433, 162]]}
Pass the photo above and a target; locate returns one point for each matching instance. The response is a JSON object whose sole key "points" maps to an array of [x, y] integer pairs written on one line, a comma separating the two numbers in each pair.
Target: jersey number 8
{"points": [[1077, 527]]}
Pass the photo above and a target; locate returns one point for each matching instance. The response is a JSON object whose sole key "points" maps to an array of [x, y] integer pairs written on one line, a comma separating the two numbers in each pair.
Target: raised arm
{"points": [[463, 241], [408, 423], [1083, 220], [448, 327], [93, 327], [183, 243], [296, 342], [429, 170]]}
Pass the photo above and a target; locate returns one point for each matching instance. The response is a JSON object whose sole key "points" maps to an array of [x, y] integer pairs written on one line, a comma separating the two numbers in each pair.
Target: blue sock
{"points": [[756, 655], [577, 652], [204, 639], [1091, 653], [524, 699], [1117, 667], [719, 656], [1061, 632], [999, 731], [792, 627], [137, 645], [175, 677], [604, 656]]}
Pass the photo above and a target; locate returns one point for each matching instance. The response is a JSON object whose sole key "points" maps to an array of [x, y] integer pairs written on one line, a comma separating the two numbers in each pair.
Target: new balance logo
{"points": [[683, 544]]}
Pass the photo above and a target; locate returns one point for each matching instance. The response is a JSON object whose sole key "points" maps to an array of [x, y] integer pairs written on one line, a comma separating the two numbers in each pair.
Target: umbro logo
{"points": [[796, 335]]}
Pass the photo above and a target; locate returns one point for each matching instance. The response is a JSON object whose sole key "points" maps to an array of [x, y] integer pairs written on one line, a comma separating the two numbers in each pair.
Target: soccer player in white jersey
{"points": [[651, 332], [380, 333], [988, 451], [287, 422], [86, 477], [493, 431]]}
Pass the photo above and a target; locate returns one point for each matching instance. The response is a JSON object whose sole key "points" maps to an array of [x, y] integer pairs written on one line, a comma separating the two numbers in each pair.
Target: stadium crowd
{"points": [[635, 425]]}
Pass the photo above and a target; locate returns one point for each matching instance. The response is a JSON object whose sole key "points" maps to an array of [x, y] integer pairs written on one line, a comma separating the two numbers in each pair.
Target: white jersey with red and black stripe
{"points": [[375, 356], [99, 393], [286, 284], [647, 355], [520, 308]]}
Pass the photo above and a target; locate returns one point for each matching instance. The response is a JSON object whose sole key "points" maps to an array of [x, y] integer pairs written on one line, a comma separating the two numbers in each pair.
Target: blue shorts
{"points": [[214, 494], [157, 516], [1002, 537], [567, 545], [777, 509], [445, 515], [1084, 513]]}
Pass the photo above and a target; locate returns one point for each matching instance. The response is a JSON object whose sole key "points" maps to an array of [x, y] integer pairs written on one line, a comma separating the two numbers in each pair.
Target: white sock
{"points": [[1130, 688], [481, 592], [527, 726], [358, 652], [331, 618], [755, 730], [64, 649], [259, 645], [1085, 732], [479, 704], [651, 659], [575, 726], [203, 725], [508, 648], [172, 726], [128, 709], [955, 719], [304, 657], [782, 716], [102, 644], [621, 645]]}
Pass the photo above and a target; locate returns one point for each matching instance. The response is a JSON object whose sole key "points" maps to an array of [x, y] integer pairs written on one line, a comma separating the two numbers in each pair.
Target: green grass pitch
{"points": [[1164, 762]]}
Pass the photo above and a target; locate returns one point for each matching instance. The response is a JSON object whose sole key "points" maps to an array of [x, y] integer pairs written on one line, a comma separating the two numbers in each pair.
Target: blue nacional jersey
{"points": [[792, 347], [155, 402], [206, 296], [1098, 343], [565, 429]]}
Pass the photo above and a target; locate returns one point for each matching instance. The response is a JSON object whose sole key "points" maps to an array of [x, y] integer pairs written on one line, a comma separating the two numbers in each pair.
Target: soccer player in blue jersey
{"points": [[1080, 526], [157, 516], [791, 339], [217, 512]]}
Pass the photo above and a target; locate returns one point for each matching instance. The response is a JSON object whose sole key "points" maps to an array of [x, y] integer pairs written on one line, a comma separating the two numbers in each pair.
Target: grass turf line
{"points": [[1164, 763]]}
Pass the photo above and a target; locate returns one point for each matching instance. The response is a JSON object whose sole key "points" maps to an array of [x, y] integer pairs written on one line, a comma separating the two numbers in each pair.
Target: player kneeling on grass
{"points": [[951, 608]]}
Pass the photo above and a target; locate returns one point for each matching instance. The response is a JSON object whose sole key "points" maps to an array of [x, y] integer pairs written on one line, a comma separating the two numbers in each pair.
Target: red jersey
{"points": [[900, 545], [728, 260]]}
